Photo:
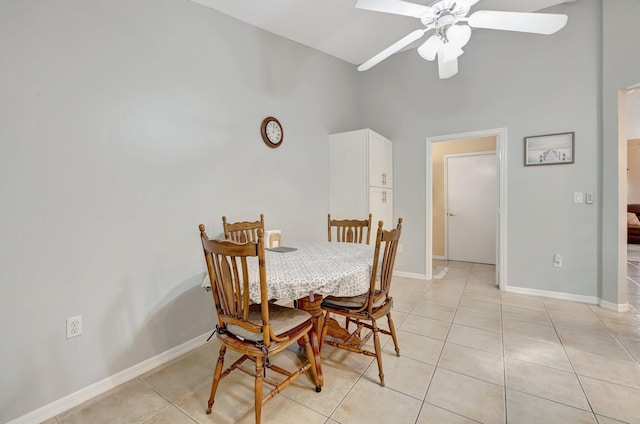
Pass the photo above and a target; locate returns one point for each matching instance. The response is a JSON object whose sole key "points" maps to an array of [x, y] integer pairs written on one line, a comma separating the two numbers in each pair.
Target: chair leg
{"points": [[312, 360], [376, 345], [325, 329], [392, 329], [216, 378], [258, 389]]}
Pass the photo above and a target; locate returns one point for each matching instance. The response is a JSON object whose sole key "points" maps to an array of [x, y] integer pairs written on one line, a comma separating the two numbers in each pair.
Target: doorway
{"points": [[471, 199], [500, 135]]}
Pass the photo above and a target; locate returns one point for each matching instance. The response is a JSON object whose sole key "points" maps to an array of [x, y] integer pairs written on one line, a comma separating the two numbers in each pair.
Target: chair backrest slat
{"points": [[229, 272], [382, 283], [242, 232], [349, 230]]}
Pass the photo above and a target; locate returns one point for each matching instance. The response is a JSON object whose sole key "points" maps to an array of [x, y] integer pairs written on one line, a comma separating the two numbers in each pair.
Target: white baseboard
{"points": [[410, 275], [554, 295], [442, 258], [617, 307], [64, 404]]}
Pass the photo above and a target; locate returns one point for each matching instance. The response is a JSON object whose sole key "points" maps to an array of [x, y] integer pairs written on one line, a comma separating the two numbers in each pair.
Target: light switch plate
{"points": [[578, 197], [589, 198]]}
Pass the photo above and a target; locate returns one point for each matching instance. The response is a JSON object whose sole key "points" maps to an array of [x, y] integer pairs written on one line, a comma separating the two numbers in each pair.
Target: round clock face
{"points": [[272, 133]]}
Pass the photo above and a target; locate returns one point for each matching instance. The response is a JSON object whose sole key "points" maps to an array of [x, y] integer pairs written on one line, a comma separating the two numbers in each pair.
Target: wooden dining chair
{"points": [[349, 230], [242, 231], [364, 310], [258, 331]]}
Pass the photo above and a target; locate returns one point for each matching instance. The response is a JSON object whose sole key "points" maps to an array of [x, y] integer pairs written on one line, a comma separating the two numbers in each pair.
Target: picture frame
{"points": [[549, 149]]}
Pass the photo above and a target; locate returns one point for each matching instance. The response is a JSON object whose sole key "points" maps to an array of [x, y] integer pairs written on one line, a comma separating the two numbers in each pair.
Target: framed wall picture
{"points": [[549, 149]]}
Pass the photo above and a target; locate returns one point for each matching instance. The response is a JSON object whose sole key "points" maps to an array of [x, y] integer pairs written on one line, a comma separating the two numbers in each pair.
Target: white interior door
{"points": [[471, 207]]}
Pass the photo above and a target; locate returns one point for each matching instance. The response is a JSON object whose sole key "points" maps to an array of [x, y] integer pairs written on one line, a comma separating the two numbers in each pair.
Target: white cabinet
{"points": [[361, 177]]}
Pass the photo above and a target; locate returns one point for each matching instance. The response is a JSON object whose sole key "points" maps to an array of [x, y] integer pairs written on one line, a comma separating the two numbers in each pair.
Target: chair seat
{"points": [[281, 318], [351, 302]]}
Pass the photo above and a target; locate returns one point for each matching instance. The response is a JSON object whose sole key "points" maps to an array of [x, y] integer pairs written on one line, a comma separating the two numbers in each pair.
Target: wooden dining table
{"points": [[308, 271]]}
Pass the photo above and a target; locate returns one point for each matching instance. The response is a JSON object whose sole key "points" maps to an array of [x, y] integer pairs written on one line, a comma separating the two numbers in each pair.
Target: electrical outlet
{"points": [[74, 326], [557, 260], [399, 247]]}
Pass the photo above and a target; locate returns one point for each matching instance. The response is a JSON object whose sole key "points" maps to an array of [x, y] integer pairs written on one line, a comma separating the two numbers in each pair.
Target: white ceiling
{"points": [[337, 28]]}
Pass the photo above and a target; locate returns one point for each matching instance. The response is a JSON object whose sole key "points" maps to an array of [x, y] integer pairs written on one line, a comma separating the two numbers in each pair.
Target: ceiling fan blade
{"points": [[447, 69], [394, 48], [397, 7], [537, 23], [468, 3]]}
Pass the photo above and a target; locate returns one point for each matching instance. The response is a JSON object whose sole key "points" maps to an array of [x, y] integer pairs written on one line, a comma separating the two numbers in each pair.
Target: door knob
{"points": [[451, 214]]}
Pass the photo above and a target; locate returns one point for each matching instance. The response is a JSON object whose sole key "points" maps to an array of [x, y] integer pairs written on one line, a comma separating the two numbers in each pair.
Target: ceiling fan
{"points": [[453, 28]]}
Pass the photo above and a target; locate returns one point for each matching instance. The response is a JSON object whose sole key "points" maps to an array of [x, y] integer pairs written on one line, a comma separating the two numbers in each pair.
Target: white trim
{"points": [[592, 300], [617, 307], [76, 398], [410, 275], [501, 149], [441, 258]]}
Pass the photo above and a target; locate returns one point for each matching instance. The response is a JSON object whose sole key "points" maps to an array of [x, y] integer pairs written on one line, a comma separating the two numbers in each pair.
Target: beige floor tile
{"points": [[541, 353], [566, 307], [587, 342], [473, 362], [633, 348], [532, 316], [471, 318], [368, 399], [491, 310], [403, 374], [450, 300], [523, 301], [467, 396], [612, 400], [50, 421], [625, 332], [481, 293], [171, 415], [608, 316], [234, 397], [523, 408], [426, 327], [345, 360], [545, 382], [613, 370], [607, 420], [283, 410], [487, 341], [338, 381], [184, 374], [431, 414], [533, 331], [588, 323], [405, 301], [414, 346], [429, 310], [132, 402]]}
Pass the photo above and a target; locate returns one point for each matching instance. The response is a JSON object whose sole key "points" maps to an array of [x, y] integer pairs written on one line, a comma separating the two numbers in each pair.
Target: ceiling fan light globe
{"points": [[449, 52], [430, 48], [459, 35]]}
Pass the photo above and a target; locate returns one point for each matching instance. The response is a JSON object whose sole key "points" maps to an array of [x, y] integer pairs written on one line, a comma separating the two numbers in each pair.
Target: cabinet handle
{"points": [[384, 178], [384, 197]]}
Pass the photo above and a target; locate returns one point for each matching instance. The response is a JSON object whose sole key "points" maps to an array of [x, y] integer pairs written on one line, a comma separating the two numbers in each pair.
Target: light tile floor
{"points": [[469, 353]]}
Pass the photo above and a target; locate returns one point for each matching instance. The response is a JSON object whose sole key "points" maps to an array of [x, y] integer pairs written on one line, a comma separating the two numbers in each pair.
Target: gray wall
{"points": [[620, 69], [123, 125], [532, 85]]}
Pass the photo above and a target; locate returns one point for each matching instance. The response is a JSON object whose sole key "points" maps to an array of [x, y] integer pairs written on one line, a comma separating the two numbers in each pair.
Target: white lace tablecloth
{"points": [[337, 269]]}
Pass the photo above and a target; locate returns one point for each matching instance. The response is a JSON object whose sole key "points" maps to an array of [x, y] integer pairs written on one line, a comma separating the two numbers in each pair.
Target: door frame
{"points": [[446, 194], [501, 149]]}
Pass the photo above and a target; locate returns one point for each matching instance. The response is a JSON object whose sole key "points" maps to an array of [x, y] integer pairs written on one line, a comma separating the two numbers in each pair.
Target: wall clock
{"points": [[272, 133]]}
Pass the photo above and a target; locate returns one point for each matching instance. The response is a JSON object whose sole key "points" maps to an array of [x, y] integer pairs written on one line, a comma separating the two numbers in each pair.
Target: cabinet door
{"points": [[381, 207], [380, 161]]}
